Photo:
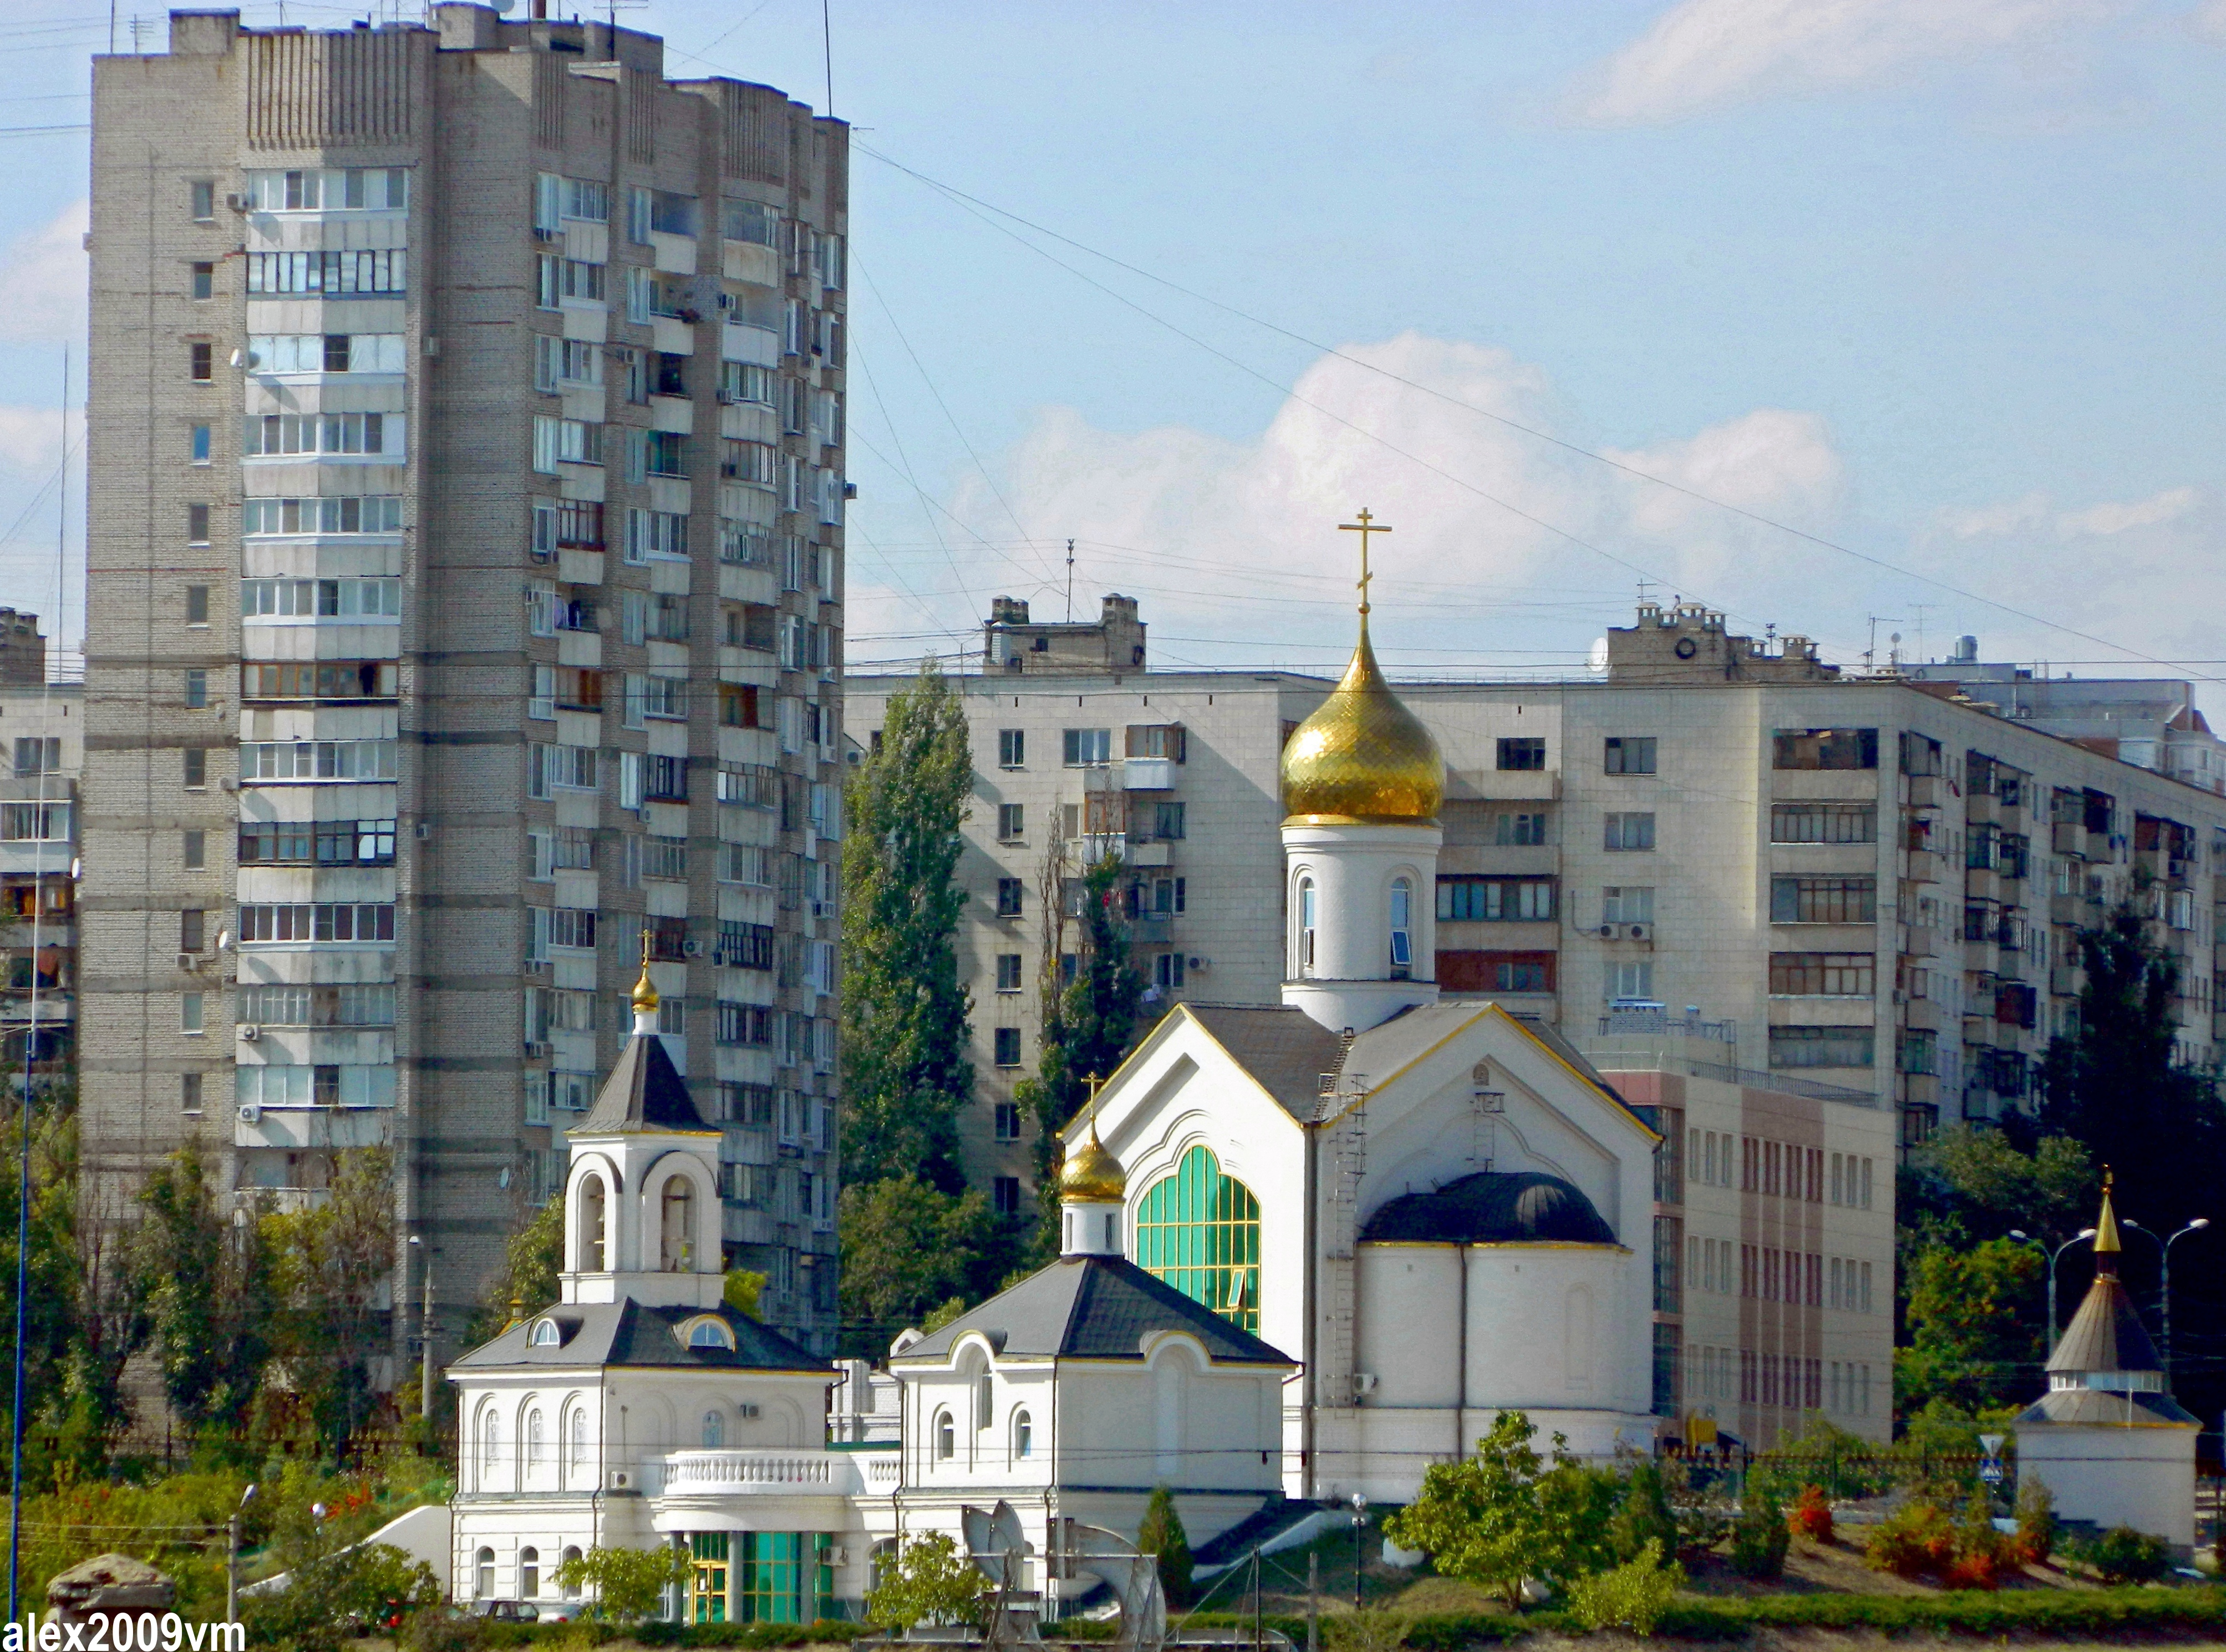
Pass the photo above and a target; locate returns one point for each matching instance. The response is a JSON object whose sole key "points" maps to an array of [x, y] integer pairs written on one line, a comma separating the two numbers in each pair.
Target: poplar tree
{"points": [[904, 1068]]}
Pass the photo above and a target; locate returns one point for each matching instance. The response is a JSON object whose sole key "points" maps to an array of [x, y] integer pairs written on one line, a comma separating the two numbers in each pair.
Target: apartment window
{"points": [[1493, 900], [1630, 831], [1167, 741], [1008, 897], [197, 525], [1168, 972], [1822, 974], [1824, 748], [1520, 830], [200, 361], [197, 605], [1008, 1122], [1008, 822], [321, 514], [335, 275], [193, 851], [337, 599], [1009, 972], [198, 439], [1823, 822], [1626, 904], [1801, 899], [1007, 1045], [204, 281], [1005, 1196], [197, 689], [1012, 747], [1629, 754], [36, 756], [316, 921], [196, 768], [1087, 748], [1629, 981], [201, 199], [1168, 820], [193, 931], [1822, 1046], [191, 1011], [1524, 751], [189, 1092], [665, 452]]}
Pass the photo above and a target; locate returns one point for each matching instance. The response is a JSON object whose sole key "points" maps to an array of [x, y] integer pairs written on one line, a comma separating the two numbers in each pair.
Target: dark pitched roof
{"points": [[644, 1092], [1285, 1050], [1492, 1207], [634, 1333], [2101, 1407], [1095, 1307], [2106, 1334]]}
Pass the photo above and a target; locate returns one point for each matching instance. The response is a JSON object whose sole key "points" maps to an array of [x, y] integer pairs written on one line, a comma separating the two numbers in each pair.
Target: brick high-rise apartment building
{"points": [[466, 565]]}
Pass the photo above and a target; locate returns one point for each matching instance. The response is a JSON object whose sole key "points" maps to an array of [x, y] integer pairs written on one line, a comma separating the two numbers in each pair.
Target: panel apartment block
{"points": [[466, 570]]}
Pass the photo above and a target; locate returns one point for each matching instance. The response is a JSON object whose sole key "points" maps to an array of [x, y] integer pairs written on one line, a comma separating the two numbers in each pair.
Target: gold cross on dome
{"points": [[1367, 525]]}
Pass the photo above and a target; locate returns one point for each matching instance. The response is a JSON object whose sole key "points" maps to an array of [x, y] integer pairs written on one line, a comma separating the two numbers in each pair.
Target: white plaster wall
{"points": [[1556, 1326], [2141, 1476], [1410, 1325]]}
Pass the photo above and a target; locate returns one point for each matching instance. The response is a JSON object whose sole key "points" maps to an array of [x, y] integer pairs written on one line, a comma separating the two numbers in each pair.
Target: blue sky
{"points": [[1932, 280]]}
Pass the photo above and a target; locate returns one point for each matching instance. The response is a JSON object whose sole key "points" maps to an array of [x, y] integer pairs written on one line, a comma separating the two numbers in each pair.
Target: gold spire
{"points": [[1091, 1175], [644, 990], [2106, 1225], [1362, 756]]}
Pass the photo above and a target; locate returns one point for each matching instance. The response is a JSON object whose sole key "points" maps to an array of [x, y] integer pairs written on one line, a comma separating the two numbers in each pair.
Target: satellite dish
{"points": [[1597, 661], [502, 7]]}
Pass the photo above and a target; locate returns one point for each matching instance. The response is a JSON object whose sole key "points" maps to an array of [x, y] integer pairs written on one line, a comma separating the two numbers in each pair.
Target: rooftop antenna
{"points": [[1070, 581], [1921, 609], [1645, 590], [1870, 654], [827, 49]]}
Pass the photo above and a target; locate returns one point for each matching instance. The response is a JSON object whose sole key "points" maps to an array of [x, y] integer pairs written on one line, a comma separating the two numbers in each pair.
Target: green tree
{"points": [[930, 1582], [208, 1283], [625, 1585], [1972, 1183], [743, 1287], [905, 1074], [1503, 1515], [61, 1384], [532, 1260], [328, 1261], [1090, 1022], [906, 1246], [1973, 1326], [1161, 1534]]}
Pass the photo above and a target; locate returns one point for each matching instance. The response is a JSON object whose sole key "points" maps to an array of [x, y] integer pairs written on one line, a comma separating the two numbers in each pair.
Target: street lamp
{"points": [[2084, 1233], [425, 1337], [2163, 1273], [231, 1559], [1360, 1522]]}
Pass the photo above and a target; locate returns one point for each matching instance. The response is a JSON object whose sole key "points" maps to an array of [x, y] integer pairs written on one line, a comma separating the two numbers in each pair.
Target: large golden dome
{"points": [[1362, 756], [1091, 1175]]}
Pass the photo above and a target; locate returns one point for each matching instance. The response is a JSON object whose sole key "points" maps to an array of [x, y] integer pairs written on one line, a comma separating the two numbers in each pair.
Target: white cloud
{"points": [[2209, 20], [44, 273], [2036, 513], [1705, 54], [31, 438]]}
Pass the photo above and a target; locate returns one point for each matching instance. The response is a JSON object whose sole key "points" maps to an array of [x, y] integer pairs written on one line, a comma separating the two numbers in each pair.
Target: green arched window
{"points": [[1199, 1231]]}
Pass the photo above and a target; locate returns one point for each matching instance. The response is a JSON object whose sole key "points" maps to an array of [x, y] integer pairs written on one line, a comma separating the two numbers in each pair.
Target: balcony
{"points": [[1147, 773], [2064, 980], [1919, 942], [750, 1472], [1923, 791]]}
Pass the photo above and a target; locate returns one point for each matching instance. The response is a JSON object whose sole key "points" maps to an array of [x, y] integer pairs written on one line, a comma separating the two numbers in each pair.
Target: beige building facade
{"points": [[466, 571]]}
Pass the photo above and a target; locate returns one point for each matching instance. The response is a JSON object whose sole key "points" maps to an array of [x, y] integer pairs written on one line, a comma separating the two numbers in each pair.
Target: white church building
{"points": [[1309, 1250]]}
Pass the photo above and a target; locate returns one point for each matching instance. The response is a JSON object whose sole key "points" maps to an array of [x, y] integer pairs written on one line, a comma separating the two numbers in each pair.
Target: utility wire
{"points": [[1578, 449]]}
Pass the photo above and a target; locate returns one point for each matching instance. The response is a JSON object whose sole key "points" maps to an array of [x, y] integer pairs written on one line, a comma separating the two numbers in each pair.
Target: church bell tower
{"points": [[1363, 782]]}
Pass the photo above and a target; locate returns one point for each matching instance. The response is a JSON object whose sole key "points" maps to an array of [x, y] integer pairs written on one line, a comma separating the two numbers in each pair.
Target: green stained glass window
{"points": [[1199, 1231], [778, 1577], [708, 1550]]}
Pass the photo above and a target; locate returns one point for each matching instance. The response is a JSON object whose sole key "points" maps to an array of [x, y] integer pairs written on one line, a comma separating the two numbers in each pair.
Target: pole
{"points": [[425, 1366], [1257, 1644], [1313, 1601], [232, 1568]]}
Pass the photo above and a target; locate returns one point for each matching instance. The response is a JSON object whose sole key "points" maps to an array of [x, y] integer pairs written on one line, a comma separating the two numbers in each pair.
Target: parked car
{"points": [[508, 1612], [559, 1611]]}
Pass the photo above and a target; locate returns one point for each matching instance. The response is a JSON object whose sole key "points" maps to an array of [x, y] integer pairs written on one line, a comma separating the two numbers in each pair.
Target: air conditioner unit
{"points": [[189, 961], [1639, 931], [1363, 1381], [424, 830], [238, 203], [535, 1047], [248, 1034], [251, 1112], [748, 1408], [726, 301], [839, 1555], [621, 1479], [1611, 931], [691, 948]]}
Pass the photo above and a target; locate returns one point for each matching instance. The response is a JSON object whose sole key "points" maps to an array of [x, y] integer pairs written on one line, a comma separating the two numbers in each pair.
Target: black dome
{"points": [[1492, 1207]]}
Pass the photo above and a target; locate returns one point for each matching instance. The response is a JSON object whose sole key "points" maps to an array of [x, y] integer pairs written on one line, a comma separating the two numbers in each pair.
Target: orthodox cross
{"points": [[1367, 525]]}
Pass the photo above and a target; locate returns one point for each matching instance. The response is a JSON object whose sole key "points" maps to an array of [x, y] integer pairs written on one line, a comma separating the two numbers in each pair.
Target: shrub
{"points": [[1982, 1554], [1162, 1534], [1633, 1596], [931, 1582], [2124, 1555], [1643, 1515], [1812, 1515], [1759, 1539], [443, 1628], [1368, 1631], [628, 1584], [1914, 1540], [2035, 1519]]}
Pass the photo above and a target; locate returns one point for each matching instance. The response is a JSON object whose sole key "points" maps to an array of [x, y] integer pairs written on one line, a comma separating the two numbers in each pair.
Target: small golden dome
{"points": [[1091, 1175], [1362, 756], [644, 990]]}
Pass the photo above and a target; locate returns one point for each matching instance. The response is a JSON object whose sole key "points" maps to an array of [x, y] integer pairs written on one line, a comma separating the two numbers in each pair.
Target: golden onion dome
{"points": [[644, 990], [1362, 756], [1091, 1175]]}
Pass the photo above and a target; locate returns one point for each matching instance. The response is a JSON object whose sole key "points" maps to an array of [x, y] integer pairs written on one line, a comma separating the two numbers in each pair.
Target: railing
{"points": [[1659, 1023], [745, 1471], [1752, 1079]]}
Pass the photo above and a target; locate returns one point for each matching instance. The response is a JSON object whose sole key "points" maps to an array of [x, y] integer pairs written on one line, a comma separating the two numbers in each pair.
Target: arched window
{"points": [[533, 1442], [710, 1333], [591, 1226], [1402, 934], [1024, 1436], [715, 1431], [946, 1437], [1306, 926], [984, 1396], [571, 1554], [1112, 1230], [1199, 1231], [545, 1334], [483, 1585], [529, 1573], [579, 1440], [490, 1442], [677, 1250]]}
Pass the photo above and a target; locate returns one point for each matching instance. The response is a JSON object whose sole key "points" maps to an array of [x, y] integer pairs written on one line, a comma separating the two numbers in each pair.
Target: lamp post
{"points": [[231, 1559], [2084, 1233], [1359, 1524], [2164, 1279], [425, 1340]]}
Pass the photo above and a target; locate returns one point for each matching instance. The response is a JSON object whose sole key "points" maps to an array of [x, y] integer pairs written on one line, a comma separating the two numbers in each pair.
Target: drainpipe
{"points": [[1460, 1379], [1309, 1378]]}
